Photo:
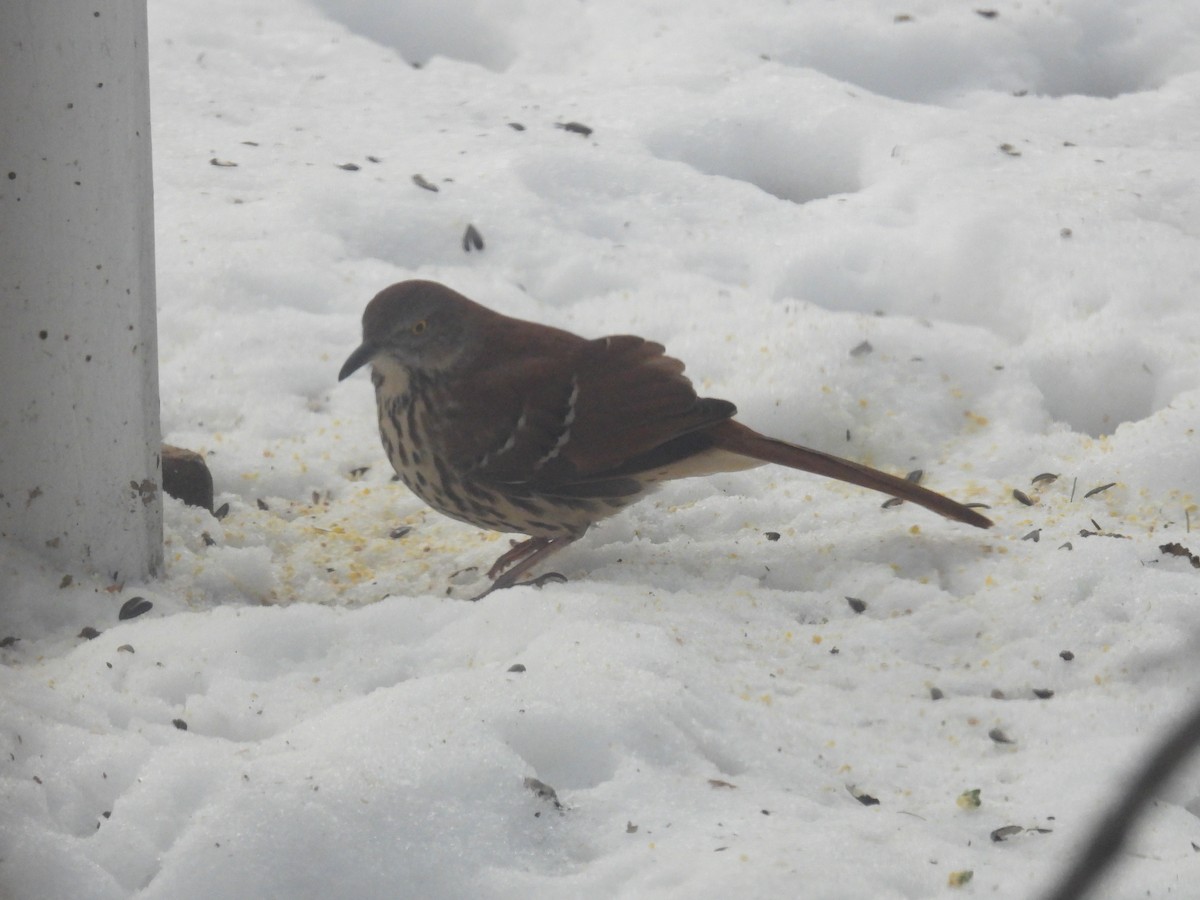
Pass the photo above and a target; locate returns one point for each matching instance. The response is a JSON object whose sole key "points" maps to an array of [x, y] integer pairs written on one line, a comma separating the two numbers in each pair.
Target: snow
{"points": [[1004, 208]]}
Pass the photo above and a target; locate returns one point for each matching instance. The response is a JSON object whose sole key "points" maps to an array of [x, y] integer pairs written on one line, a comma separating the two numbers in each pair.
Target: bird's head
{"points": [[415, 324]]}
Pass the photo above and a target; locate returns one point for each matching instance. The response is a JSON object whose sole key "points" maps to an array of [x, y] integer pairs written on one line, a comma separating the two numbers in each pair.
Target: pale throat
{"points": [[389, 376]]}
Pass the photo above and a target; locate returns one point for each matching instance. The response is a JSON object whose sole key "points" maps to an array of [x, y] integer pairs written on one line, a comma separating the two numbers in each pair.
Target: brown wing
{"points": [[632, 400], [570, 412]]}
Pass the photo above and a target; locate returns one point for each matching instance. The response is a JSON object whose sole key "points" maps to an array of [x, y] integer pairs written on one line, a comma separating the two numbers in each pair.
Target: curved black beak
{"points": [[359, 358]]}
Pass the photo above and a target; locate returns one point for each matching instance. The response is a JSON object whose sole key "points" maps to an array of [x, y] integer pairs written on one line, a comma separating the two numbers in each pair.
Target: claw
{"points": [[487, 590], [502, 583], [548, 578]]}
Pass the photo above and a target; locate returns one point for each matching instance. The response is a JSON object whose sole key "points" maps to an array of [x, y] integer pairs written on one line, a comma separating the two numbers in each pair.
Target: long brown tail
{"points": [[737, 438]]}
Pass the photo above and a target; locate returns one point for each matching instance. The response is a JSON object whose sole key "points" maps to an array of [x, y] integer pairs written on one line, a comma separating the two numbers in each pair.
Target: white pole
{"points": [[79, 426]]}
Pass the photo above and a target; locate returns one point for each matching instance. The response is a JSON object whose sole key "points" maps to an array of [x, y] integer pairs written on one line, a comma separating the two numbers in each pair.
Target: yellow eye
{"points": [[418, 327]]}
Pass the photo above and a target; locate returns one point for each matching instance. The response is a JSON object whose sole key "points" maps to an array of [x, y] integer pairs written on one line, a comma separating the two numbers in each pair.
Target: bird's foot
{"points": [[520, 551], [508, 570], [504, 582]]}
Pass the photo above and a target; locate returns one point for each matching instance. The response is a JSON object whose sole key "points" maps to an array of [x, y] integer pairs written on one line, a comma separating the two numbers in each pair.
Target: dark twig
{"points": [[1114, 828]]}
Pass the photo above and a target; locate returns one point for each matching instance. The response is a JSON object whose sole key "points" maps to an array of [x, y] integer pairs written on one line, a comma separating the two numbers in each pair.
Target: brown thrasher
{"points": [[518, 427]]}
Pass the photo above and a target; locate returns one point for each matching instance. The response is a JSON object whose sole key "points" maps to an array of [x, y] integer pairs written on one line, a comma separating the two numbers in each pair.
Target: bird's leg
{"points": [[520, 549], [506, 571]]}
